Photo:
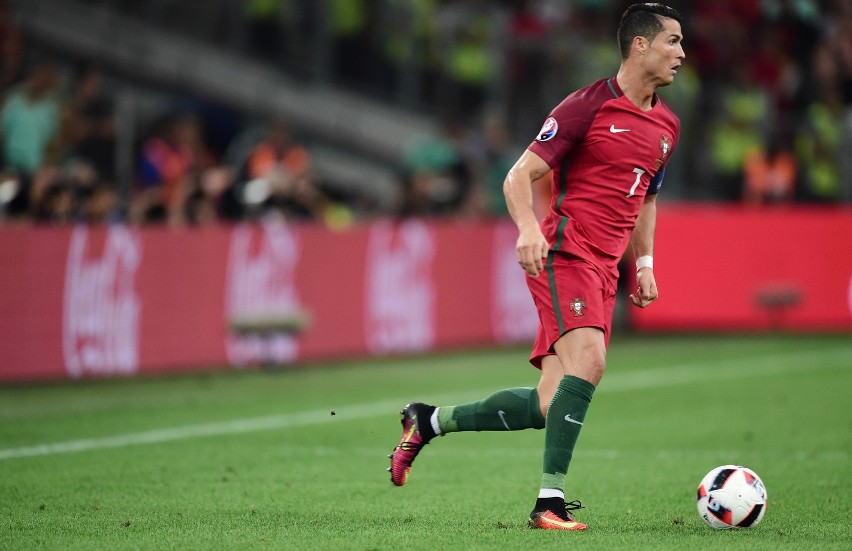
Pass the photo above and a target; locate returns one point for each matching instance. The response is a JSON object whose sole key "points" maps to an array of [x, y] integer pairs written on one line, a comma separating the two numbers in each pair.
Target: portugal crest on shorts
{"points": [[577, 305]]}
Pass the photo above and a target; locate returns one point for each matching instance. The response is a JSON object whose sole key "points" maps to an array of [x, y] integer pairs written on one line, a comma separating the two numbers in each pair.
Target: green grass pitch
{"points": [[296, 459]]}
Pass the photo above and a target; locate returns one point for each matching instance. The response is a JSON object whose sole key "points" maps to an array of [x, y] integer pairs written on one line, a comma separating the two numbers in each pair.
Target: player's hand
{"points": [[647, 288], [531, 250]]}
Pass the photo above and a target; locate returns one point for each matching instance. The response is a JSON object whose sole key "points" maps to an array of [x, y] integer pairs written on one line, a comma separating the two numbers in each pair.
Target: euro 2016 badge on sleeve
{"points": [[548, 130]]}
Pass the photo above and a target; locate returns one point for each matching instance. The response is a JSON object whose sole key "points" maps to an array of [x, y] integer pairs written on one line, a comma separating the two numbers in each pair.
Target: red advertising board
{"points": [[117, 300], [735, 268]]}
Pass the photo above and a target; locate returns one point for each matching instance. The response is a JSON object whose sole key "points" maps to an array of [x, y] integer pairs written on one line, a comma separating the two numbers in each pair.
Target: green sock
{"points": [[508, 409], [564, 421]]}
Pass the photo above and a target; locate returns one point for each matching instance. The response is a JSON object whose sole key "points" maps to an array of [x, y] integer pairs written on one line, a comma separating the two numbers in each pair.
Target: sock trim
{"points": [[553, 481], [545, 493], [436, 426], [577, 386]]}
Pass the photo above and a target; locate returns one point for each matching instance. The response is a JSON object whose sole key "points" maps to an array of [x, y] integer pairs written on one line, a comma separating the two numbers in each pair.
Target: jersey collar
{"points": [[612, 82]]}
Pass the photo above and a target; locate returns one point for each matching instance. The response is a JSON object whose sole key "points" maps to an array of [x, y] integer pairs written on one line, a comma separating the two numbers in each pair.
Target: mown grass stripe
{"points": [[747, 367]]}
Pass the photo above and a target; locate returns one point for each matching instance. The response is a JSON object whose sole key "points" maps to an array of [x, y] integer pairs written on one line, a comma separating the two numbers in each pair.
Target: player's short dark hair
{"points": [[642, 20]]}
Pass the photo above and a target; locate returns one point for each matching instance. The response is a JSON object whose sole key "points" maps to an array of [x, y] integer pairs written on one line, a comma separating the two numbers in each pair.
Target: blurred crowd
{"points": [[765, 99]]}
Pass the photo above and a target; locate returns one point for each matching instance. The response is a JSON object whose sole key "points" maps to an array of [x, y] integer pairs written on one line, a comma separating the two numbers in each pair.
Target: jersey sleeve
{"points": [[565, 128]]}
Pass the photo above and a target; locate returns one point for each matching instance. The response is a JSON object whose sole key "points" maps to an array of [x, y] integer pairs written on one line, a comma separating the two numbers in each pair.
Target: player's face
{"points": [[665, 53]]}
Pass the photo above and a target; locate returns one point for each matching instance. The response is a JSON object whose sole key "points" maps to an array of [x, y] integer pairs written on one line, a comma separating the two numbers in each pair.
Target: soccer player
{"points": [[607, 145]]}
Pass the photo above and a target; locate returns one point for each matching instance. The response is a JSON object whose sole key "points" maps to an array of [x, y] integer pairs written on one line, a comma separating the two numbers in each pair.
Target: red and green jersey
{"points": [[606, 155]]}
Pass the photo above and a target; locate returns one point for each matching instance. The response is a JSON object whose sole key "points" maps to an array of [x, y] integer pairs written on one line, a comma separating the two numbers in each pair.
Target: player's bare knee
{"points": [[590, 364], [596, 370], [551, 375]]}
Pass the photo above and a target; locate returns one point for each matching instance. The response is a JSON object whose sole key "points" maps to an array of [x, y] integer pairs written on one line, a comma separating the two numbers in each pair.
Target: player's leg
{"points": [[582, 354], [508, 409], [575, 305], [551, 375], [505, 410]]}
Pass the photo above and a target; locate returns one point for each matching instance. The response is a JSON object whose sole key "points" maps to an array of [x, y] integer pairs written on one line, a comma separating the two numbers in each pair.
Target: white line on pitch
{"points": [[615, 382], [237, 426]]}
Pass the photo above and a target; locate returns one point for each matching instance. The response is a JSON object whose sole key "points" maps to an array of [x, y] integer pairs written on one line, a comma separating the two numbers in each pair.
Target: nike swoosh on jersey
{"points": [[615, 130]]}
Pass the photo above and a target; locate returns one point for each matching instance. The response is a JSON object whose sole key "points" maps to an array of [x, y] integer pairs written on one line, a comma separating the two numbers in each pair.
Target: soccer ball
{"points": [[731, 496]]}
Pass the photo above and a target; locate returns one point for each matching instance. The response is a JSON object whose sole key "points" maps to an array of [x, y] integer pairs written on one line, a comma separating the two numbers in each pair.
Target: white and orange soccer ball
{"points": [[731, 496]]}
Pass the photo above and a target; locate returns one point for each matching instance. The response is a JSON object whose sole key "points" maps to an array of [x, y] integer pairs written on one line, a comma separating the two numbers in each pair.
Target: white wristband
{"points": [[646, 261]]}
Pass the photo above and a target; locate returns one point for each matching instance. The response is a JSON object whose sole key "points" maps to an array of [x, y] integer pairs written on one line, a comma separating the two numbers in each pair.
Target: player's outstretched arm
{"points": [[642, 242], [531, 247]]}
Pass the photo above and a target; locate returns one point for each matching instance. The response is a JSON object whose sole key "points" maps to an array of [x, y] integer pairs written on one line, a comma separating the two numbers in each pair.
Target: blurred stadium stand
{"points": [[358, 140], [418, 107]]}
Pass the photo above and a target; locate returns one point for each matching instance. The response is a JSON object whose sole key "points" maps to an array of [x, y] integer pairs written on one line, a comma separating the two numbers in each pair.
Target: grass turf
{"points": [[296, 459]]}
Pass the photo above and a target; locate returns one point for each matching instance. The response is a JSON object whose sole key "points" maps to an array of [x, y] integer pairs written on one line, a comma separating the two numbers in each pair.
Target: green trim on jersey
{"points": [[563, 191], [554, 296], [611, 87], [560, 232], [557, 245]]}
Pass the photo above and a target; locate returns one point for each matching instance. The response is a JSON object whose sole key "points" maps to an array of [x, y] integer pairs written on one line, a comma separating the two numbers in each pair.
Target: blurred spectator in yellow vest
{"points": [[468, 44], [407, 60]]}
